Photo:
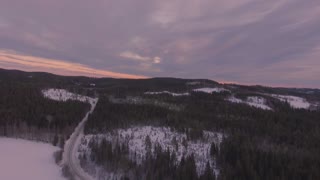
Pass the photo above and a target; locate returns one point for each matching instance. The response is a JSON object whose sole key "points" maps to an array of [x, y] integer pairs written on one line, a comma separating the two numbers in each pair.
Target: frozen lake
{"points": [[24, 160]]}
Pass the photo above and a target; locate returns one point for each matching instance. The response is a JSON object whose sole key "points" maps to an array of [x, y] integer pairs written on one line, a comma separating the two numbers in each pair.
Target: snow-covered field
{"points": [[24, 160], [294, 101], [167, 92], [253, 101], [205, 90], [211, 90], [193, 83], [64, 95], [135, 137]]}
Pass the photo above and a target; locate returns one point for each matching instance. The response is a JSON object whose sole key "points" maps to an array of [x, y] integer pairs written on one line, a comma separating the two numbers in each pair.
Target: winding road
{"points": [[70, 150]]}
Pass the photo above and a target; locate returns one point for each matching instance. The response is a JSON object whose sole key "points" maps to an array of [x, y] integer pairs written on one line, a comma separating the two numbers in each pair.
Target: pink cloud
{"points": [[11, 59]]}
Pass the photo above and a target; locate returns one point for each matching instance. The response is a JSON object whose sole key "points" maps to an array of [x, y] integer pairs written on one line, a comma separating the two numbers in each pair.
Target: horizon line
{"points": [[102, 77]]}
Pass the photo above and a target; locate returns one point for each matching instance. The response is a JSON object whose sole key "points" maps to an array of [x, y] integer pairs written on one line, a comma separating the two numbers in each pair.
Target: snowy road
{"points": [[70, 150]]}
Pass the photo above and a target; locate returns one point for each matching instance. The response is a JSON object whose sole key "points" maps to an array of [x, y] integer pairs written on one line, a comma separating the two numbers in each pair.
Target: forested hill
{"points": [[264, 137], [156, 84], [169, 128], [26, 113], [43, 78]]}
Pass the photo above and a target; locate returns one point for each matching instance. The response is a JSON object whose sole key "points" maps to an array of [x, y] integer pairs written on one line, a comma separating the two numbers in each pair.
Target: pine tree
{"points": [[208, 174], [55, 140], [213, 150], [148, 144]]}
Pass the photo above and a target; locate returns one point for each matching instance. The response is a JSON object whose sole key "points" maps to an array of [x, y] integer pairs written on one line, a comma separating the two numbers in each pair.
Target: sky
{"points": [[273, 42]]}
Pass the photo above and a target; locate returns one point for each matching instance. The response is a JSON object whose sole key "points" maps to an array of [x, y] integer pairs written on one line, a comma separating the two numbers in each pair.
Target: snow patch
{"points": [[235, 100], [211, 90], [64, 95], [253, 101], [135, 138], [205, 90], [258, 102], [167, 92], [21, 159], [294, 101], [193, 83]]}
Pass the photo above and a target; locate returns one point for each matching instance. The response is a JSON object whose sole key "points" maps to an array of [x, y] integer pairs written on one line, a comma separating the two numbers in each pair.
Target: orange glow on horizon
{"points": [[13, 60]]}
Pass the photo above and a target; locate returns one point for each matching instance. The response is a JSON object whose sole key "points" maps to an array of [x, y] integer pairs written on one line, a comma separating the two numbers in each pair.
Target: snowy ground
{"points": [[167, 92], [253, 101], [294, 101], [24, 160], [64, 95], [193, 83], [135, 137], [211, 90], [205, 90]]}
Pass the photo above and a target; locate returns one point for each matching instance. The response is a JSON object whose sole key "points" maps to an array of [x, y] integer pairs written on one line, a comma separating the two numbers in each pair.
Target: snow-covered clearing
{"points": [[205, 90], [211, 90], [294, 101], [165, 137], [64, 95], [253, 101], [21, 159], [167, 92], [193, 83], [235, 100]]}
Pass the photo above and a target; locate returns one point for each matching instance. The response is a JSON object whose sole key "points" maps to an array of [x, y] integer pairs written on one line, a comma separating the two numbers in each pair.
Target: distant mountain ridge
{"points": [[5, 73]]}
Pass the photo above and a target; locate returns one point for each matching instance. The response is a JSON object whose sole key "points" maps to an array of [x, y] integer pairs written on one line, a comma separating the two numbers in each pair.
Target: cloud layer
{"points": [[274, 42], [12, 60]]}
